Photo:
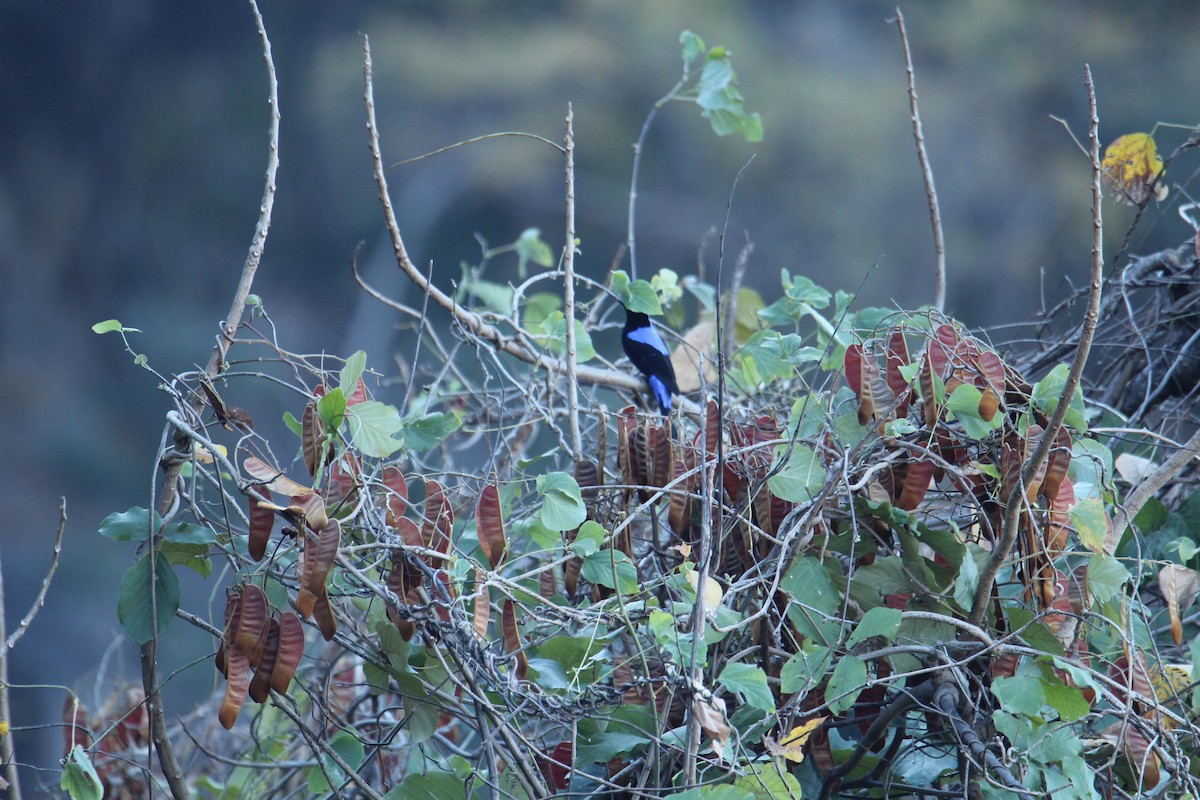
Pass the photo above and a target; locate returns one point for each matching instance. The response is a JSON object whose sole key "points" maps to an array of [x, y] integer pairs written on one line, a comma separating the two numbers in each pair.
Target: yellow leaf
{"points": [[1179, 586], [712, 590], [791, 746], [697, 342], [1131, 165], [710, 713]]}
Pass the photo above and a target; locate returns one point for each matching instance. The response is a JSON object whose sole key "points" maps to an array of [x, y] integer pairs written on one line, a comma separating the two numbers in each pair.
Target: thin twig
{"points": [[735, 287], [569, 288], [40, 600], [1155, 481], [149, 655], [471, 322], [935, 214], [1012, 514], [484, 138]]}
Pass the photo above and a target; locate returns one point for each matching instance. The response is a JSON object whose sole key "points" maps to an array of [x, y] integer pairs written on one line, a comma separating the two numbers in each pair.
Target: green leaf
{"points": [[1032, 632], [530, 247], [135, 596], [562, 503], [1068, 701], [605, 747], [589, 538], [535, 529], [554, 328], [1091, 466], [346, 745], [187, 533], [420, 715], [847, 682], [1048, 390], [963, 403], [79, 778], [373, 427], [352, 370], [497, 297], [129, 525], [110, 326], [599, 567], [766, 781], [801, 478], [720, 791], [1020, 694], [881, 621], [1106, 577], [537, 307], [966, 583], [1091, 523], [805, 669], [430, 786], [293, 424], [636, 295], [427, 431], [331, 408], [749, 681], [691, 45], [192, 556], [816, 597]]}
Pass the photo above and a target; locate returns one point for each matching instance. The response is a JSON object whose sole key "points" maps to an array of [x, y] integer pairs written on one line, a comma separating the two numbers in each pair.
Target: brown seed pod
{"points": [[289, 651], [260, 684]]}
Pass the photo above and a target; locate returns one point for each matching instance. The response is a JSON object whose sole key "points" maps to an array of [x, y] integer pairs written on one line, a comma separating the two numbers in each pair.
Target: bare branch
{"points": [[40, 600], [470, 321], [569, 288], [935, 214], [1012, 514], [484, 138], [1155, 481]]}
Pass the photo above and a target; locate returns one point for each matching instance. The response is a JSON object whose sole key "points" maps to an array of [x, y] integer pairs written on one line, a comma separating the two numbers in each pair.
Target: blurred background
{"points": [[133, 145]]}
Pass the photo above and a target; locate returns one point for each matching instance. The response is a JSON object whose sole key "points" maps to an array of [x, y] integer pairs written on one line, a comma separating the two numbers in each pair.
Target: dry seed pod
{"points": [[262, 520], [260, 684], [490, 524], [397, 494], [318, 560], [253, 623], [236, 684], [287, 656], [323, 614], [512, 639], [311, 434]]}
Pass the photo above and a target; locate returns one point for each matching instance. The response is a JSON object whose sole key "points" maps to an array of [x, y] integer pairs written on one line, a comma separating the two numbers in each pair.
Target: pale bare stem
{"points": [[1012, 514], [703, 557], [639, 145], [473, 323], [7, 753], [484, 138], [935, 214], [40, 600], [1155, 481], [569, 288], [735, 286], [172, 462]]}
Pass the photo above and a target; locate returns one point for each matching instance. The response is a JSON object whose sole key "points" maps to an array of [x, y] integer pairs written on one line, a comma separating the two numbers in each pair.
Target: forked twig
{"points": [[471, 322], [1012, 514], [935, 214]]}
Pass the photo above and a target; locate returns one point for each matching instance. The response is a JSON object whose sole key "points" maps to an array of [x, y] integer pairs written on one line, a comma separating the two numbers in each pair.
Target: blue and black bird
{"points": [[649, 353]]}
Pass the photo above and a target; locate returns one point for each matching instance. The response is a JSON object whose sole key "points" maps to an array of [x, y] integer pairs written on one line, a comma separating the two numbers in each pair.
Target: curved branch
{"points": [[935, 214], [471, 322]]}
